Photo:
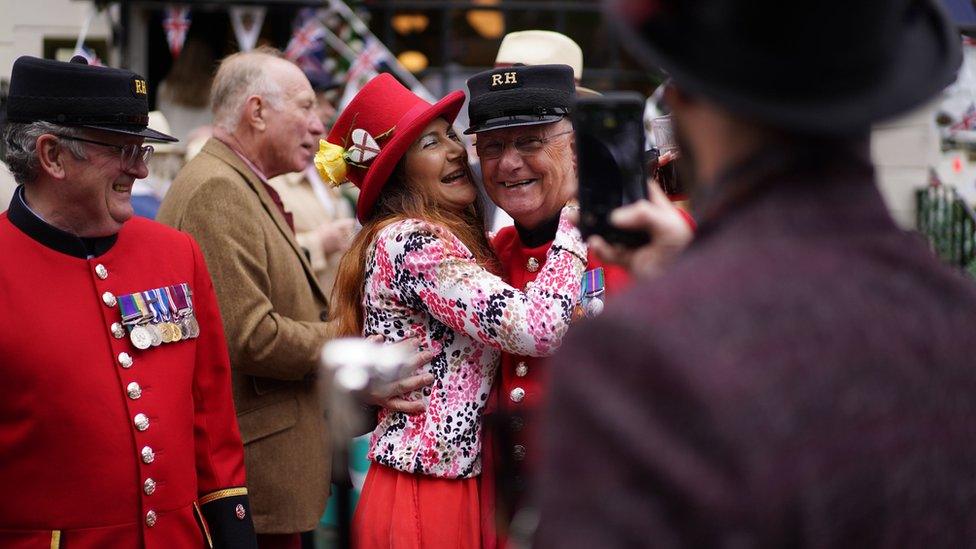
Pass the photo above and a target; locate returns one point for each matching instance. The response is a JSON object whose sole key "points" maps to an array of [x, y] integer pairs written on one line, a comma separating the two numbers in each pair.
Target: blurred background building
{"points": [[434, 46], [926, 160]]}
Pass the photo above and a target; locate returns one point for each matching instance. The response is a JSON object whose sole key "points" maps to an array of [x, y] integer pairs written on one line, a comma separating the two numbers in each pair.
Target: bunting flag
{"points": [[247, 22], [90, 55], [308, 35], [968, 120], [314, 58], [176, 22], [363, 68]]}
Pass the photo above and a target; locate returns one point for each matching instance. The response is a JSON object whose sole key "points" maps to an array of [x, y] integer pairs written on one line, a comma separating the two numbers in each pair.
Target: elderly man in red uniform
{"points": [[117, 425], [525, 145]]}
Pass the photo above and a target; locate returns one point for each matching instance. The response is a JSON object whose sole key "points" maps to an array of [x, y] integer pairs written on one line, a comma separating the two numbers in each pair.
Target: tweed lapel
{"points": [[224, 153]]}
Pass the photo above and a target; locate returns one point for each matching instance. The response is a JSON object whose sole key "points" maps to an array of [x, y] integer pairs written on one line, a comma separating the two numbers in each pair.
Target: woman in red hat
{"points": [[422, 267]]}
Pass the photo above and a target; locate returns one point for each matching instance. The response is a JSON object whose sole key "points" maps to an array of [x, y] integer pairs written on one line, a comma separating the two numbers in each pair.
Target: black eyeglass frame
{"points": [[514, 142], [127, 160]]}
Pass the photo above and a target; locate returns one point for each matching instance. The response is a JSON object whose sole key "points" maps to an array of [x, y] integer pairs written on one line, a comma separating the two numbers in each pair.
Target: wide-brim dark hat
{"points": [[805, 65], [78, 94]]}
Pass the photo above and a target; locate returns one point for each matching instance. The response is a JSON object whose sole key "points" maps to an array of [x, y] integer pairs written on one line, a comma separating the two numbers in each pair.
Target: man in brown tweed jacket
{"points": [[273, 308]]}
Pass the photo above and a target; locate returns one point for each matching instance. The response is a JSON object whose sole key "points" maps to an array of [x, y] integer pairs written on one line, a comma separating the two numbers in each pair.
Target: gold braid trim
{"points": [[221, 494], [203, 524], [55, 539]]}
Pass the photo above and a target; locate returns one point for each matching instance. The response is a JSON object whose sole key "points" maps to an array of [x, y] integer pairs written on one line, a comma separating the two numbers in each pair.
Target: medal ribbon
{"points": [[162, 303], [188, 293], [151, 300], [130, 311], [593, 283], [144, 310], [177, 299]]}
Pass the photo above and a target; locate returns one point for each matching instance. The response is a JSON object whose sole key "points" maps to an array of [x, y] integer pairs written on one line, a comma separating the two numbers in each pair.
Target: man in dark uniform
{"points": [[802, 375], [117, 425]]}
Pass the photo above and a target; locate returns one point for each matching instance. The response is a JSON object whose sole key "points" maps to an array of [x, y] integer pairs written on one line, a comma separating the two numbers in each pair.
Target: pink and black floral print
{"points": [[422, 281]]}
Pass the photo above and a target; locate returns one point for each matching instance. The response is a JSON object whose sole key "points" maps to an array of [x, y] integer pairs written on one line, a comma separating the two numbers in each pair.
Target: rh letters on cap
{"points": [[139, 87], [505, 80]]}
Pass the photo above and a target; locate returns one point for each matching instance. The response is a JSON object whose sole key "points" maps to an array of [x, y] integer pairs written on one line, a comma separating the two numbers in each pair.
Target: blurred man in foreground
{"points": [[802, 375]]}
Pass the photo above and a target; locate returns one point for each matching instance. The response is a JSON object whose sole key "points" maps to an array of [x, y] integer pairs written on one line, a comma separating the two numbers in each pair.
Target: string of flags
{"points": [[363, 69], [331, 40], [308, 37]]}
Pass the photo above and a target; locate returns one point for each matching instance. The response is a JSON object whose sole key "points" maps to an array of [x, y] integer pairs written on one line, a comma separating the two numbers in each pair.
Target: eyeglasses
{"points": [[130, 153], [526, 145]]}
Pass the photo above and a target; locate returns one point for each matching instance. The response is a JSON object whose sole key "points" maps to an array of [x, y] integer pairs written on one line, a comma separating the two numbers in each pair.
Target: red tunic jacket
{"points": [[74, 467], [510, 447]]}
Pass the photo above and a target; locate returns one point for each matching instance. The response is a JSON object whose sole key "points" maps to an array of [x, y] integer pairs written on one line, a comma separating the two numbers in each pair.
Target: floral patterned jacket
{"points": [[422, 281]]}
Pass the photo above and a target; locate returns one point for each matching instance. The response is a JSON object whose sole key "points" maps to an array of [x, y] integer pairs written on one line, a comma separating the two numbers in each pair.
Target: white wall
{"points": [[902, 150], [25, 23]]}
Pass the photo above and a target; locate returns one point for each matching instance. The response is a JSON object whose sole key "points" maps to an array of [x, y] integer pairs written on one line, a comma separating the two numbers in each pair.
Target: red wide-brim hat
{"points": [[377, 128]]}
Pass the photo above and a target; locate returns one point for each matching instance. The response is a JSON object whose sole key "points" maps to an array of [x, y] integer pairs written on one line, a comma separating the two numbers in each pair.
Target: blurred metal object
{"points": [[349, 369], [359, 363]]}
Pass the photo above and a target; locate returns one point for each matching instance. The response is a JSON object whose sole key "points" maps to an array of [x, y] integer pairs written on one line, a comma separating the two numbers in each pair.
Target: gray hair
{"points": [[21, 140], [240, 76]]}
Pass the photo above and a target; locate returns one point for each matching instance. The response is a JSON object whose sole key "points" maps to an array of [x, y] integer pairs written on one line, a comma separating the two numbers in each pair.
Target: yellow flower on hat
{"points": [[330, 161]]}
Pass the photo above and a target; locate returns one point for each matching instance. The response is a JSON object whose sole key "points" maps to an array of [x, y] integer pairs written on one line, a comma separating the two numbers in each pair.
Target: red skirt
{"points": [[398, 510]]}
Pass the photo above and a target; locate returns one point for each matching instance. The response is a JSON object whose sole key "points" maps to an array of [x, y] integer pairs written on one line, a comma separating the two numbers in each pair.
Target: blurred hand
{"points": [[391, 395], [659, 218], [335, 236]]}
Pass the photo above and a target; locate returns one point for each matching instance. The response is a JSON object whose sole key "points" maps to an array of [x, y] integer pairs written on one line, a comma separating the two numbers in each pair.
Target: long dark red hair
{"points": [[396, 202]]}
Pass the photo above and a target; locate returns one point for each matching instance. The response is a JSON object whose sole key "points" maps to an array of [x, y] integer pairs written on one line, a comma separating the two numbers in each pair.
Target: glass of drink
{"points": [[662, 131]]}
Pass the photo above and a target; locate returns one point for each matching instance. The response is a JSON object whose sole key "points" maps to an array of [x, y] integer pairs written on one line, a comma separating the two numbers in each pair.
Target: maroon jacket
{"points": [[804, 376]]}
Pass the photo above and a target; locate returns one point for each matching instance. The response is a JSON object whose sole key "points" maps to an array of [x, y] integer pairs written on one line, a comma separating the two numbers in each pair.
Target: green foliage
{"points": [[949, 224]]}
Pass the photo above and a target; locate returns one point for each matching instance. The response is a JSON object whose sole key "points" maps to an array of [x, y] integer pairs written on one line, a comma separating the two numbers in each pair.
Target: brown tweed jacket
{"points": [[272, 308]]}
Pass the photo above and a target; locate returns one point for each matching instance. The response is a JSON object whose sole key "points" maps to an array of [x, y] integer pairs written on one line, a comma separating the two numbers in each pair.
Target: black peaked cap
{"points": [[519, 96], [78, 94]]}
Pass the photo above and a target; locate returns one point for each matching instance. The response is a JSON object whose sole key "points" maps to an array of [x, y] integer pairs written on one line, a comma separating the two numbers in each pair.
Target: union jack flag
{"points": [[363, 68], [176, 22], [90, 55], [968, 120], [308, 36], [365, 64]]}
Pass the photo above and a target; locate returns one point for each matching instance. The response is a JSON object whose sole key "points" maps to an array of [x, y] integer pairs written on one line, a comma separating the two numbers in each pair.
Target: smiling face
{"points": [[96, 195], [532, 188], [293, 125], [437, 165]]}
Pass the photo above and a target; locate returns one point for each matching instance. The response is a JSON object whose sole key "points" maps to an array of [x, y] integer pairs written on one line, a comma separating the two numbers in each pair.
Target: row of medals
{"points": [[148, 335], [592, 289]]}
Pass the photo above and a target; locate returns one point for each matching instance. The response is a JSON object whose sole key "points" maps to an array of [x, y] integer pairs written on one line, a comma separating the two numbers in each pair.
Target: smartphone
{"points": [[610, 157]]}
